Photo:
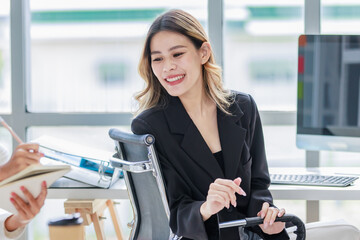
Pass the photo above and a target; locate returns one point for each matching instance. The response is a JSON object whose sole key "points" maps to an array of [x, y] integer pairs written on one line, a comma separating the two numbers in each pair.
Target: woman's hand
{"points": [[269, 215], [26, 211], [24, 155], [221, 194]]}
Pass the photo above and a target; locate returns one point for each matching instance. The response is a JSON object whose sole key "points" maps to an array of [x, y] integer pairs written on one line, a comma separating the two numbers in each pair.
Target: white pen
{"points": [[2, 121]]}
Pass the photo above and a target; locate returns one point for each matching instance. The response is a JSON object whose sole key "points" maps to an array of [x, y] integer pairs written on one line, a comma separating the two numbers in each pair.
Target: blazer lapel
{"points": [[232, 138], [192, 143]]}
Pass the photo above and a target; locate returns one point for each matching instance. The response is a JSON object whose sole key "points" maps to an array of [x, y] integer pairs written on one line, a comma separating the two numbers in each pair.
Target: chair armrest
{"points": [[136, 167], [253, 221]]}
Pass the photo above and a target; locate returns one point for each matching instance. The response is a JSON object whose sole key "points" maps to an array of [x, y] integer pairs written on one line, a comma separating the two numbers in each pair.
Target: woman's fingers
{"points": [[264, 209], [17, 207], [224, 191], [281, 212], [23, 157], [42, 196], [232, 185], [33, 204], [30, 147], [26, 212], [274, 213], [221, 197], [271, 215]]}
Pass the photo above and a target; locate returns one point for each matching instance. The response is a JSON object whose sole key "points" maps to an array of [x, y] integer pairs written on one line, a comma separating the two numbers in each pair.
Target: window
{"points": [[5, 75], [84, 55], [340, 17], [260, 50]]}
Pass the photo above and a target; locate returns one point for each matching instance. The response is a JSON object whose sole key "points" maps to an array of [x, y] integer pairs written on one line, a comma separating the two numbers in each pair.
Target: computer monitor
{"points": [[328, 107]]}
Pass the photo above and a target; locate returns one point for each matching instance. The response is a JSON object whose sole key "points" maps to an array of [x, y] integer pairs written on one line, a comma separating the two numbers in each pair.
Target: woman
{"points": [[12, 226], [209, 140]]}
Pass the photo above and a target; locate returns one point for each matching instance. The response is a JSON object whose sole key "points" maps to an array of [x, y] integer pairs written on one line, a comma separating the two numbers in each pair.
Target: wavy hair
{"points": [[154, 94]]}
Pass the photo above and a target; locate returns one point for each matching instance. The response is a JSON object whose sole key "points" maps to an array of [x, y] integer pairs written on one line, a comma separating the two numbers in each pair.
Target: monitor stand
{"points": [[312, 159]]}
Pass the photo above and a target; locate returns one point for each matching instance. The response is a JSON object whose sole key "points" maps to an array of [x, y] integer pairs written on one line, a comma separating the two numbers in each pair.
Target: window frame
{"points": [[21, 119]]}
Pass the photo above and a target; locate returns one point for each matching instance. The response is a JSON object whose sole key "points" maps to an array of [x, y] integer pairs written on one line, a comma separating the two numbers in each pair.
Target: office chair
{"points": [[136, 156]]}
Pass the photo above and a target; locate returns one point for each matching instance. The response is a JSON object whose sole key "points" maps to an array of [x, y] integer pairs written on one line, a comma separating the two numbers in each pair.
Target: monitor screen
{"points": [[328, 114]]}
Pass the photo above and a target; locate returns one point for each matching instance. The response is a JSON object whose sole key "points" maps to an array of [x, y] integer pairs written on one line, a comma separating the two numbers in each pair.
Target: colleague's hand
{"points": [[24, 155], [26, 210], [269, 215], [221, 194]]}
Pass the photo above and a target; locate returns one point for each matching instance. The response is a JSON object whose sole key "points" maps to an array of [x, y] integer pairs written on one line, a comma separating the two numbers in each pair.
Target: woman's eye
{"points": [[156, 59], [178, 54]]}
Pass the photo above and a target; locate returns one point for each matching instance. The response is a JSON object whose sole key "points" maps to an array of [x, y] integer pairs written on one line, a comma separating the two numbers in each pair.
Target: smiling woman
{"points": [[209, 139]]}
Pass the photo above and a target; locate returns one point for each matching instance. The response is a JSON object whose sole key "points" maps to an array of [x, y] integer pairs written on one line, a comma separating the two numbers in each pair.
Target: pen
{"points": [[16, 137]]}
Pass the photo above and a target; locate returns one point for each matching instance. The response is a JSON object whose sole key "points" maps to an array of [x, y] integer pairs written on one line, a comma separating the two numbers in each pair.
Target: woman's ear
{"points": [[205, 52]]}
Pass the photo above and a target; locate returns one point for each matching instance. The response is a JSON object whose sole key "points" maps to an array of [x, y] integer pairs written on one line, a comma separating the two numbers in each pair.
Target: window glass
{"points": [[260, 50], [279, 138], [340, 17], [339, 159], [5, 145], [84, 54], [90, 136], [5, 76]]}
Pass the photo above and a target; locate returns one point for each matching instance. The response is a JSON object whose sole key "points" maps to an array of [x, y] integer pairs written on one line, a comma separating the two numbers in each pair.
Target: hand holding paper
{"points": [[26, 212], [24, 155]]}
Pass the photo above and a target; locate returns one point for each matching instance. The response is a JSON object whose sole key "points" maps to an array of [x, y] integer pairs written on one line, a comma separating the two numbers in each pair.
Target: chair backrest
{"points": [[136, 156]]}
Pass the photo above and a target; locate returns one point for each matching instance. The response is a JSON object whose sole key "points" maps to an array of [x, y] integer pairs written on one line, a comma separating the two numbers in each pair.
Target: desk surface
{"points": [[117, 191], [280, 192]]}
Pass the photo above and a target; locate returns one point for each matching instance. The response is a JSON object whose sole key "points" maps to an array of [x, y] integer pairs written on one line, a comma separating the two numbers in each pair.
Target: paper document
{"points": [[31, 178]]}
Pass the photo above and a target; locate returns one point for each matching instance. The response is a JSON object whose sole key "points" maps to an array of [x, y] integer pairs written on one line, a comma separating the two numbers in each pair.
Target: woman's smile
{"points": [[175, 79]]}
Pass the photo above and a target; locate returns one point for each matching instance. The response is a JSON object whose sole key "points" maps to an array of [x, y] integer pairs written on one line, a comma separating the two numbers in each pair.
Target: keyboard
{"points": [[313, 179]]}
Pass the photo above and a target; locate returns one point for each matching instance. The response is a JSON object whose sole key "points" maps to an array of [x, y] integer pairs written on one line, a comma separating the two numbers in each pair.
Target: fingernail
{"points": [[262, 215], [44, 183], [13, 194], [244, 193], [12, 200], [23, 188]]}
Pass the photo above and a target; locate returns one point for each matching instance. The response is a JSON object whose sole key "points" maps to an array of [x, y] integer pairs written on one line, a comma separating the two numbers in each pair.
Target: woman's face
{"points": [[177, 64]]}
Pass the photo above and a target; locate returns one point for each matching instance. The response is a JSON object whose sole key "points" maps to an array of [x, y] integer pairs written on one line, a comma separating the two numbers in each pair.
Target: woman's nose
{"points": [[169, 65]]}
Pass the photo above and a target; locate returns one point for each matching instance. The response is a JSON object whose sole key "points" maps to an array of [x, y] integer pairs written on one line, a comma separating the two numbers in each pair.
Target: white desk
{"points": [[312, 194], [117, 191], [280, 192]]}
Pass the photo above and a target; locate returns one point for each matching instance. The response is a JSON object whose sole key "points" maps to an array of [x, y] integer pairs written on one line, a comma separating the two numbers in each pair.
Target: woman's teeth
{"points": [[174, 78]]}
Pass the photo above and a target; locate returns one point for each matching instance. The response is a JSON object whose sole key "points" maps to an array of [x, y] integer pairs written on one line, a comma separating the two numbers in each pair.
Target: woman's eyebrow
{"points": [[176, 47], [170, 49]]}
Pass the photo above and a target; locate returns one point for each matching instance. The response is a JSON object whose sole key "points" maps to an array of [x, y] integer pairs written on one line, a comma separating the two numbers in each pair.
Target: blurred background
{"points": [[83, 58]]}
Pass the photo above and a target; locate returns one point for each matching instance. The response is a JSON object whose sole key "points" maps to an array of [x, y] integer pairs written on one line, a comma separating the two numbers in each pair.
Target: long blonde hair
{"points": [[180, 22]]}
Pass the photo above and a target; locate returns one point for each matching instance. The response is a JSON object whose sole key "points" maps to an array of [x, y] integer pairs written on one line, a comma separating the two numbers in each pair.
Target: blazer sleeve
{"points": [[260, 179], [185, 217]]}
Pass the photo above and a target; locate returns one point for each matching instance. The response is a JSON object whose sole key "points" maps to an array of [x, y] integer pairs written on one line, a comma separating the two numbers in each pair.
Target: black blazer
{"points": [[189, 167]]}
